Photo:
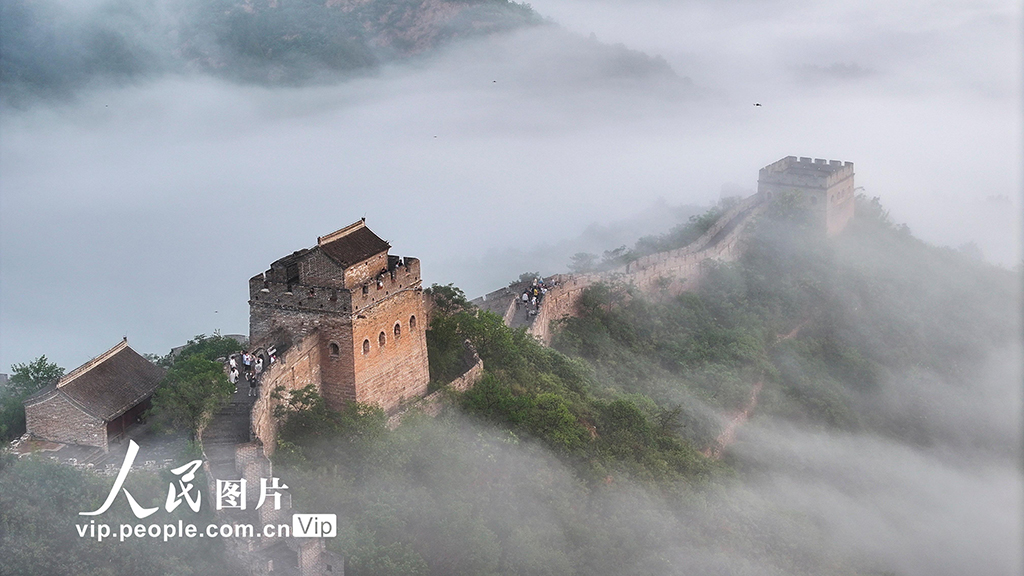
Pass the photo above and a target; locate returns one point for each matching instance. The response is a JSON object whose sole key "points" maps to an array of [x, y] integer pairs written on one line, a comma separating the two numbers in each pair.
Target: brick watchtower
{"points": [[363, 308], [826, 187]]}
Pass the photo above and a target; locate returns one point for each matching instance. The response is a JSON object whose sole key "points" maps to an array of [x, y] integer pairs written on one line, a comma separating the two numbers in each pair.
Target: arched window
{"points": [[333, 346], [398, 330], [382, 339], [412, 322], [366, 346]]}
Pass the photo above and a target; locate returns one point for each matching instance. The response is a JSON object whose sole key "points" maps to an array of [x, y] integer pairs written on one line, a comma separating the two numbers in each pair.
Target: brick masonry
{"points": [[826, 188], [663, 274], [356, 332], [56, 418]]}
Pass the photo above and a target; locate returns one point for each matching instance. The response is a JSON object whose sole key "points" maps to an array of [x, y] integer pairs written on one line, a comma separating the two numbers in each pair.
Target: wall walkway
{"points": [[664, 274]]}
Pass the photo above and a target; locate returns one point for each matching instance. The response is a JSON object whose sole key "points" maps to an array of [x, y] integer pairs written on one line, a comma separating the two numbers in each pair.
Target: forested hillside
{"points": [[586, 459], [53, 50]]}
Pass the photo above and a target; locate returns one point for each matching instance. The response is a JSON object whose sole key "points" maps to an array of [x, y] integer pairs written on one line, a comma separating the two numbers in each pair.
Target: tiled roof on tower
{"points": [[352, 244]]}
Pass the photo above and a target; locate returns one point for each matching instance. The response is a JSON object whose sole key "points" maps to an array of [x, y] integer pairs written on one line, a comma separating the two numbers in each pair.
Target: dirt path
{"points": [[728, 435]]}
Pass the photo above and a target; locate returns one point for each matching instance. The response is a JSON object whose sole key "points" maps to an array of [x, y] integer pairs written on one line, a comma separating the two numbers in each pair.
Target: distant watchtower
{"points": [[826, 187], [363, 308]]}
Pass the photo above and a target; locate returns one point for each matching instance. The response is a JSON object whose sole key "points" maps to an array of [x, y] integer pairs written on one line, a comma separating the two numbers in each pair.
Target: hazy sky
{"points": [[143, 210]]}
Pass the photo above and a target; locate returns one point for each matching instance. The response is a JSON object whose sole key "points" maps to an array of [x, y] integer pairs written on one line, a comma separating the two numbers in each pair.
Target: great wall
{"points": [[825, 187], [349, 319], [663, 274]]}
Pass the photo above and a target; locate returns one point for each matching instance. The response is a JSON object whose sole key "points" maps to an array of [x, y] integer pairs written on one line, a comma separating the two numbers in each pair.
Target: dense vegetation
{"points": [[215, 347], [539, 392], [873, 303], [634, 388], [195, 385], [583, 458], [52, 49], [25, 380], [39, 505]]}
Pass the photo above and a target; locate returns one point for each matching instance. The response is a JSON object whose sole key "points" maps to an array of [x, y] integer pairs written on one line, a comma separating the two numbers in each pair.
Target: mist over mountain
{"points": [[510, 141], [154, 155], [54, 49]]}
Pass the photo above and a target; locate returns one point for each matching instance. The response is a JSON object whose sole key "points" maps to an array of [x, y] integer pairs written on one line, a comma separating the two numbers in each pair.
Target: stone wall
{"points": [[55, 418], [317, 269], [839, 206], [404, 276], [344, 315], [501, 302], [280, 313], [389, 346], [432, 404], [662, 274], [365, 271], [298, 367], [825, 187]]}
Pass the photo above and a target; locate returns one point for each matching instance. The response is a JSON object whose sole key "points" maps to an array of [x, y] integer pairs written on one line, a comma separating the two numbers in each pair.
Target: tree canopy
{"points": [[25, 380], [28, 378], [193, 389]]}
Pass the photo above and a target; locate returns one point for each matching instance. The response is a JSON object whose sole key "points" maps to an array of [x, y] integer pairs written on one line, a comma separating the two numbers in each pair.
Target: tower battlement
{"points": [[402, 274], [824, 186], [363, 306]]}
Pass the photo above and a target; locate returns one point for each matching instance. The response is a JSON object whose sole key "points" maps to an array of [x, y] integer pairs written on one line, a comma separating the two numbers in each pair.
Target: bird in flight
{"points": [[758, 104]]}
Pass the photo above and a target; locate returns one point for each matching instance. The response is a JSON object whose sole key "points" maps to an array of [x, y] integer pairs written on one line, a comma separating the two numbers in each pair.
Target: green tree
{"points": [[203, 346], [25, 380], [39, 505], [582, 262], [448, 299], [192, 390]]}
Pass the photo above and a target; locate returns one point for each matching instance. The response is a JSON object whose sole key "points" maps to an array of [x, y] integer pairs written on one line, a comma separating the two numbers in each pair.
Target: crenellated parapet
{"points": [[356, 308], [402, 274], [825, 187], [804, 171], [662, 274], [298, 297]]}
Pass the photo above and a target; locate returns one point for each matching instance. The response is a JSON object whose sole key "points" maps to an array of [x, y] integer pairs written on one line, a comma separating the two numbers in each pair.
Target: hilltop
{"points": [[51, 50]]}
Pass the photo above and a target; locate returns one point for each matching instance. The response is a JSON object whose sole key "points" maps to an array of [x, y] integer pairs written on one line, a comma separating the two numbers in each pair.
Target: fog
{"points": [[809, 500], [142, 208]]}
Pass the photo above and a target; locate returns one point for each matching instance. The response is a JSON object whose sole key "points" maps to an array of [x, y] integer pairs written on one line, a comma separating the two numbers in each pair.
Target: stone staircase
{"points": [[228, 427]]}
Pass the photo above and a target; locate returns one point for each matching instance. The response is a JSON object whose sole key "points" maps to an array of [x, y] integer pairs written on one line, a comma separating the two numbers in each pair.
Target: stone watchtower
{"points": [[825, 187], [358, 308]]}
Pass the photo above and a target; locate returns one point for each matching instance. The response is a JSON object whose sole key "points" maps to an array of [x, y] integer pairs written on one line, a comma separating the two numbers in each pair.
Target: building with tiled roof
{"points": [[94, 404], [350, 315]]}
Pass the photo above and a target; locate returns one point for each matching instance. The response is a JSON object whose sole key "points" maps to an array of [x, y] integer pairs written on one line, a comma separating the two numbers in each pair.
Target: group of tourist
{"points": [[251, 368], [533, 294]]}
